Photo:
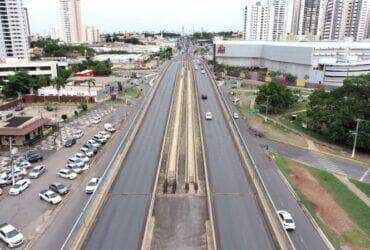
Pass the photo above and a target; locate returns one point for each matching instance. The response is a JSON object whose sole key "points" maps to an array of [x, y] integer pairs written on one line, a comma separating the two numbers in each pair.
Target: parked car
{"points": [[286, 220], [109, 127], [78, 134], [204, 97], [92, 185], [50, 196], [208, 116], [235, 115], [19, 186], [9, 180], [96, 120], [104, 134], [18, 171], [203, 71], [10, 235], [74, 168], [88, 146], [25, 164], [100, 139], [67, 174], [33, 157], [82, 157], [59, 188], [88, 152], [70, 142], [37, 171], [76, 161], [94, 143]]}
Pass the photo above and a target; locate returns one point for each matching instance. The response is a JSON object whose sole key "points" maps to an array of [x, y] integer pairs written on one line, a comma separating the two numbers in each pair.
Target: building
{"points": [[21, 130], [345, 18], [50, 69], [71, 23], [312, 62], [14, 32], [91, 35], [266, 19], [27, 24], [55, 33], [310, 17]]}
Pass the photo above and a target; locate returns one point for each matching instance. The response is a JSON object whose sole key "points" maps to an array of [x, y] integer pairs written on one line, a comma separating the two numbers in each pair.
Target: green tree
{"points": [[66, 73], [21, 82], [333, 114], [90, 82], [103, 69], [278, 97], [58, 83]]}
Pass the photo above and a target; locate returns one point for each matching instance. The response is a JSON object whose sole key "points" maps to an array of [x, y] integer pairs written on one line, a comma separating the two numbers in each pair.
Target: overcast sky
{"points": [[143, 15]]}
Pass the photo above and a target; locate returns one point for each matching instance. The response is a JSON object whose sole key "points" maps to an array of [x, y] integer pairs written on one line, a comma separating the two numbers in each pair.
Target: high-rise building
{"points": [[345, 18], [26, 23], [91, 35], [71, 23], [311, 13], [14, 37], [266, 20]]}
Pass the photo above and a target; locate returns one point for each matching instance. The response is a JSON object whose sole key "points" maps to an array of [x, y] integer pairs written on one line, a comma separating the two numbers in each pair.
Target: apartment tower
{"points": [[14, 43], [71, 24]]}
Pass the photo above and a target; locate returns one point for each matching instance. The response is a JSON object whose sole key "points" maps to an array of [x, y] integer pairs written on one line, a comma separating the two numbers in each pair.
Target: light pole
{"points": [[356, 136]]}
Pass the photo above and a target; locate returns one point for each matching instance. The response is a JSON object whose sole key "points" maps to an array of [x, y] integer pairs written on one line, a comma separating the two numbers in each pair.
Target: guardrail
{"points": [[80, 222], [256, 173]]}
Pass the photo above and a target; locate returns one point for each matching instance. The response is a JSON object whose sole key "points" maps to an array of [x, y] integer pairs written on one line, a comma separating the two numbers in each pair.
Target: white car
{"points": [[196, 68], [100, 139], [203, 71], [10, 235], [236, 115], [108, 127], [82, 157], [208, 116], [94, 143], [76, 161], [67, 174], [19, 186], [74, 168], [37, 171], [96, 120], [87, 152], [104, 134], [78, 134], [92, 185], [286, 220], [50, 196], [25, 164]]}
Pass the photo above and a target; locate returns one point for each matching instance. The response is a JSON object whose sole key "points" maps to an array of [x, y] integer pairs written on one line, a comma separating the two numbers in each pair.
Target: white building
{"points": [[267, 19], [50, 69], [311, 62], [71, 23], [91, 35], [14, 40], [345, 18]]}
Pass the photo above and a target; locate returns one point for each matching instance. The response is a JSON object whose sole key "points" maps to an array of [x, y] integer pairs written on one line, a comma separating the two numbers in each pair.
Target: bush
{"points": [[83, 106], [64, 117]]}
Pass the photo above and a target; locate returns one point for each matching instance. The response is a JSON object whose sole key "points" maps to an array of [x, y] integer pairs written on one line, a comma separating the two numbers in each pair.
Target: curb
{"points": [[279, 238], [77, 241], [307, 213]]}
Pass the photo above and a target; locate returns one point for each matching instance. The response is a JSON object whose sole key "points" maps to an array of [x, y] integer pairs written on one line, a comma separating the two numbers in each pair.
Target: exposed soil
{"points": [[332, 215]]}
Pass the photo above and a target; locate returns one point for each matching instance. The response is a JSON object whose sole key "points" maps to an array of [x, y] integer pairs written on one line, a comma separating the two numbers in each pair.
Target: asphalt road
{"points": [[239, 223], [305, 236], [122, 220]]}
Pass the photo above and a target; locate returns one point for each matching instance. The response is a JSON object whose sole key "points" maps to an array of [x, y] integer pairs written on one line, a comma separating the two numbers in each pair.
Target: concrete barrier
{"points": [[86, 220]]}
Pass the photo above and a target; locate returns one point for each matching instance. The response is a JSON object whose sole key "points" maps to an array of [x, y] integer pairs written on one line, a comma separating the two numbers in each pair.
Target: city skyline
{"points": [[118, 16]]}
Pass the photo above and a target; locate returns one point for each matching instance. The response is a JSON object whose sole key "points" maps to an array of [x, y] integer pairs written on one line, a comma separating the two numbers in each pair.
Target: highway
{"points": [[239, 223], [305, 236], [121, 222]]}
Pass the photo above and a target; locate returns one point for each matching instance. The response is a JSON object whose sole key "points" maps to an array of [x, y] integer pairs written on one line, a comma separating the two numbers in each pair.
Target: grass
{"points": [[364, 187], [281, 163], [133, 92], [116, 101], [356, 209]]}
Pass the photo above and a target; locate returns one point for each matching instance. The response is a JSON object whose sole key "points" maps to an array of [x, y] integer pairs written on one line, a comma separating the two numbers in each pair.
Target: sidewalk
{"points": [[354, 189]]}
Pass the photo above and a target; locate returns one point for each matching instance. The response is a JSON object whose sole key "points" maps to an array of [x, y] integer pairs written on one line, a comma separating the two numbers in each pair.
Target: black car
{"points": [[91, 147], [33, 157], [204, 97], [70, 142], [59, 188]]}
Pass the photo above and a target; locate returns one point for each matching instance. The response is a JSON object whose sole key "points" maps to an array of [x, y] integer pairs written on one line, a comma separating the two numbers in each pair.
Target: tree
{"points": [[90, 82], [103, 69], [291, 79], [66, 73], [333, 114], [58, 83], [21, 82], [278, 97]]}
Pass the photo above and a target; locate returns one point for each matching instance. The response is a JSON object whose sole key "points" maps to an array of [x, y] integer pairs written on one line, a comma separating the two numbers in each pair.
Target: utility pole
{"points": [[13, 152], [267, 106], [356, 136]]}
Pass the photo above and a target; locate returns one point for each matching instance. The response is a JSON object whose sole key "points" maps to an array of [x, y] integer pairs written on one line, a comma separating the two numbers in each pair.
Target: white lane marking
{"points": [[365, 174]]}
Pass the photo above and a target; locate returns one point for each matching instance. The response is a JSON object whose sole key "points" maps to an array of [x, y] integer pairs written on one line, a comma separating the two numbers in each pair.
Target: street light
{"points": [[356, 136]]}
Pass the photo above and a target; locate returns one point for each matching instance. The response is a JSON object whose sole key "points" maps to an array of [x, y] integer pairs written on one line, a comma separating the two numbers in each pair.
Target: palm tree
{"points": [[90, 82], [58, 83]]}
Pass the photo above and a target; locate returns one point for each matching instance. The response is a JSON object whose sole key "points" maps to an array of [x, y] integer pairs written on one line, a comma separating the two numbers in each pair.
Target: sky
{"points": [[142, 15]]}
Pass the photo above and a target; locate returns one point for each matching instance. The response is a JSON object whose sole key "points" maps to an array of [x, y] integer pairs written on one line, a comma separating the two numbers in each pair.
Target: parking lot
{"points": [[44, 225]]}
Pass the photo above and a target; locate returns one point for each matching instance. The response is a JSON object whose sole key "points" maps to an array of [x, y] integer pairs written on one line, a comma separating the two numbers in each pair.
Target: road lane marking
{"points": [[365, 174]]}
